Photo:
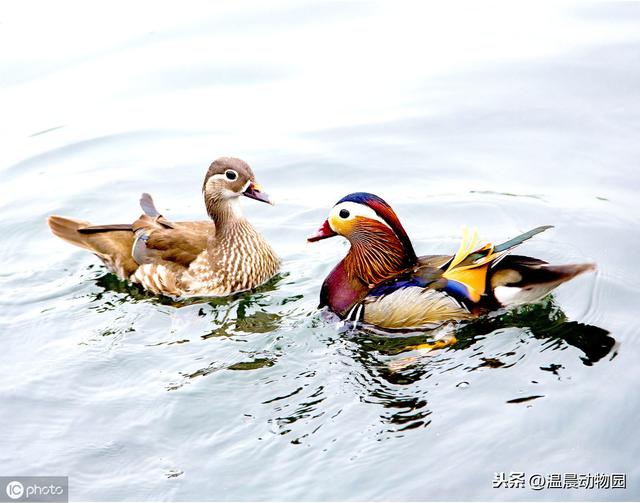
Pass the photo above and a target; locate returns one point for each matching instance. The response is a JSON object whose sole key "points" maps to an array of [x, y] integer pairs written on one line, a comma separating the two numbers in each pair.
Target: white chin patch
{"points": [[234, 204], [230, 194]]}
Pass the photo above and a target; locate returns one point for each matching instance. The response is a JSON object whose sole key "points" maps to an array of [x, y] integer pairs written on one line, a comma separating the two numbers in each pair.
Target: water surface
{"points": [[497, 116]]}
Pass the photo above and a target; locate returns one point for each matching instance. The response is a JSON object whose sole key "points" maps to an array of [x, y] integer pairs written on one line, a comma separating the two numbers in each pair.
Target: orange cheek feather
{"points": [[342, 226]]}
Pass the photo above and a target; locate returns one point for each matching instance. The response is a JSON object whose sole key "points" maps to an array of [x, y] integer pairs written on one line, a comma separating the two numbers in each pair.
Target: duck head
{"points": [[226, 180], [380, 247]]}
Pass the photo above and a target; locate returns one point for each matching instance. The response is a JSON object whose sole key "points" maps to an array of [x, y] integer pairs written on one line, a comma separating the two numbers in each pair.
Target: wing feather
{"points": [[181, 243], [469, 267]]}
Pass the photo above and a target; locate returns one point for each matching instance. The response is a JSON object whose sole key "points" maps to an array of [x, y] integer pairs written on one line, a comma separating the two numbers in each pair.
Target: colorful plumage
{"points": [[382, 282], [213, 258]]}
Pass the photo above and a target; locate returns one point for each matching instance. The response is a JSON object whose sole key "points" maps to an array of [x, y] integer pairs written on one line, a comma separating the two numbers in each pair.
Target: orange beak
{"points": [[324, 232]]}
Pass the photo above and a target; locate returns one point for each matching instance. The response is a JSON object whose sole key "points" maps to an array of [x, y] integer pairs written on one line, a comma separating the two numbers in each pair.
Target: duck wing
{"points": [[468, 271], [434, 261], [153, 251], [443, 288], [180, 244], [489, 277], [159, 239]]}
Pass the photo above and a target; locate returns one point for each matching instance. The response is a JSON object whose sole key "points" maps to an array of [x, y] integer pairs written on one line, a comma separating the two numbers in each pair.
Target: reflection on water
{"points": [[238, 316], [383, 375], [387, 371], [134, 292], [544, 320], [395, 375]]}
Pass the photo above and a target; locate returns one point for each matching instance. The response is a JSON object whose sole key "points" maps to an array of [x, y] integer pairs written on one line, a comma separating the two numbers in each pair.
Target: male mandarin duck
{"points": [[215, 258], [382, 282]]}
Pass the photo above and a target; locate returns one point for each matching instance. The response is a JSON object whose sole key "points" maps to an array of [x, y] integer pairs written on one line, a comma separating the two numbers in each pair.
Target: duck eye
{"points": [[231, 175], [344, 213]]}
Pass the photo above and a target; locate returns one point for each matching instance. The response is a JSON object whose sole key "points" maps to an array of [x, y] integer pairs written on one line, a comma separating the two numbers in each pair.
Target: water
{"points": [[494, 115]]}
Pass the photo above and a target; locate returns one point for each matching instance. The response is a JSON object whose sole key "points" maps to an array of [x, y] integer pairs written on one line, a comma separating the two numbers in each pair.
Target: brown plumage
{"points": [[214, 257]]}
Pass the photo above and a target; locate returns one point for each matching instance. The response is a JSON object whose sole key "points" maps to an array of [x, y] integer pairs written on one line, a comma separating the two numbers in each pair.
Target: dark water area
{"points": [[495, 115]]}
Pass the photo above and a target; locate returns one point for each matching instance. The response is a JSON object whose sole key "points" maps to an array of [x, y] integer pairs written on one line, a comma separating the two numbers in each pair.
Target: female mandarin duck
{"points": [[215, 257], [382, 282]]}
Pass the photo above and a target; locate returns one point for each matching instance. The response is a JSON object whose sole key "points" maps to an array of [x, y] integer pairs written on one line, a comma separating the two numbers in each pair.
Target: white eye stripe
{"points": [[223, 176], [214, 187], [355, 210]]}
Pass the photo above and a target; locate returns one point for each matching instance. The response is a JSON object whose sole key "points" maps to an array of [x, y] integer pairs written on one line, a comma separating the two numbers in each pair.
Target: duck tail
{"points": [[112, 243], [67, 230], [522, 280], [75, 231]]}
